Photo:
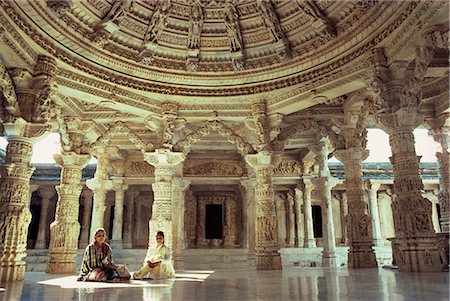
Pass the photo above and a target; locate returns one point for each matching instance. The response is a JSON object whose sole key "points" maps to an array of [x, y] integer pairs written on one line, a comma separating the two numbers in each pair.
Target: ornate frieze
{"points": [[288, 167], [216, 169]]}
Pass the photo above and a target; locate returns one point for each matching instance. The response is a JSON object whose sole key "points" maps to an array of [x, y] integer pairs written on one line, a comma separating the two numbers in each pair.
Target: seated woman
{"points": [[158, 261], [97, 262]]}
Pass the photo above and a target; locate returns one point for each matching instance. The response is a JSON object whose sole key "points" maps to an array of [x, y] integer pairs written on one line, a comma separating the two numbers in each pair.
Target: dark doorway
{"points": [[317, 220], [213, 222]]}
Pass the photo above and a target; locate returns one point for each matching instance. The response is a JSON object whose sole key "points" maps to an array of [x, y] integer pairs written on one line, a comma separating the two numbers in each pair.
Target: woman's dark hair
{"points": [[160, 233]]}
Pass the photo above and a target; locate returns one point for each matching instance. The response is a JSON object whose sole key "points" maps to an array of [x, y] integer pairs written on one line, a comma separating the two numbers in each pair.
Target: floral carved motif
{"points": [[216, 169]]}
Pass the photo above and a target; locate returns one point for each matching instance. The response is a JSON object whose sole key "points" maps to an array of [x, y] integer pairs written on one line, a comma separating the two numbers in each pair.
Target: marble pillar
{"points": [[100, 185], [15, 215], [298, 197], [415, 241], [87, 195], [267, 255], [374, 213], [65, 229], [324, 183], [117, 235], [310, 241], [165, 162], [249, 214], [130, 224], [291, 219], [46, 194], [358, 222], [180, 186]]}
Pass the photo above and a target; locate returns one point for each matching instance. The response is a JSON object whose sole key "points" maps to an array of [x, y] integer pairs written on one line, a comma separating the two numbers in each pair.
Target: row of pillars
{"points": [[65, 230]]}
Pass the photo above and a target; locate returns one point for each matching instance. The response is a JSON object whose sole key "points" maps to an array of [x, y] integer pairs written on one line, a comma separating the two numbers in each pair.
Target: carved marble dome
{"points": [[122, 60]]}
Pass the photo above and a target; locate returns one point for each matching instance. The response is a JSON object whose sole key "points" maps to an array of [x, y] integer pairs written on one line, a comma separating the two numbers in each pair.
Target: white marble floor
{"points": [[289, 284]]}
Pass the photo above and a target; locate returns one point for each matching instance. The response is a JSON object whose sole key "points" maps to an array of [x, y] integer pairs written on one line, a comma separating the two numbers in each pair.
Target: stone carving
{"points": [[157, 22], [60, 7], [231, 19], [270, 19], [195, 25], [213, 126], [8, 94], [137, 168], [287, 167], [310, 8], [118, 11], [120, 128], [216, 169]]}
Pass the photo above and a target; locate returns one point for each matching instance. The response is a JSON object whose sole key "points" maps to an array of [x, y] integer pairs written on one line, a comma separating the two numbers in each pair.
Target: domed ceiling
{"points": [[123, 60]]}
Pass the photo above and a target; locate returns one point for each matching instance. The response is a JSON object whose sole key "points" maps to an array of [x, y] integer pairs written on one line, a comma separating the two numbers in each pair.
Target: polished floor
{"points": [[289, 284]]}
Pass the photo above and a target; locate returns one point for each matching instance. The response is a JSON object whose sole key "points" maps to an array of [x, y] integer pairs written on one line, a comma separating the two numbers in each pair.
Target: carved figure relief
{"points": [[231, 19], [158, 21], [195, 26], [270, 19]]}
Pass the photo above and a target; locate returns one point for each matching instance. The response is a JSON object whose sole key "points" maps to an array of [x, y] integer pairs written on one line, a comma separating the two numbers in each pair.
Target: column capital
{"points": [[99, 185], [373, 185], [263, 158], [117, 184], [164, 157], [71, 158], [355, 154]]}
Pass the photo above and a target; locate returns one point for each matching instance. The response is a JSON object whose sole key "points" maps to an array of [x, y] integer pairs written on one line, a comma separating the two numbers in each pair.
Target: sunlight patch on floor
{"points": [[71, 282]]}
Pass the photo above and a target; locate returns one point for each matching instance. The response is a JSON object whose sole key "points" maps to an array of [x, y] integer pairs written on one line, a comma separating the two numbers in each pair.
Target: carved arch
{"points": [[120, 128], [214, 126]]}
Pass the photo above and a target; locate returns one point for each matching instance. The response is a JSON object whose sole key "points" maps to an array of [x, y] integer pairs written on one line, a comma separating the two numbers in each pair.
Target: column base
{"points": [[309, 243], [329, 259], [40, 245], [12, 272], [117, 244], [417, 254], [178, 263], [268, 261], [361, 257], [61, 263], [378, 243]]}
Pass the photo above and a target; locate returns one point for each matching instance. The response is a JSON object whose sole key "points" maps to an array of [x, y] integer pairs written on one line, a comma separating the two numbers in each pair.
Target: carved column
{"points": [[46, 194], [440, 132], [359, 225], [250, 217], [230, 230], [310, 241], [298, 195], [291, 220], [414, 234], [15, 191], [128, 229], [344, 212], [117, 235], [267, 256], [324, 184], [65, 229], [87, 210], [373, 201], [178, 243], [280, 210], [164, 162], [100, 186]]}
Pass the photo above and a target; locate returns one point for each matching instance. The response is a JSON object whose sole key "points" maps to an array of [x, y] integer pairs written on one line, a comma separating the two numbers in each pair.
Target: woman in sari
{"points": [[158, 261], [97, 262]]}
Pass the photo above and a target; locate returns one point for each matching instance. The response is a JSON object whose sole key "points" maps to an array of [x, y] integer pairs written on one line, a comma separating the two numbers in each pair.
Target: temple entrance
{"points": [[213, 221]]}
